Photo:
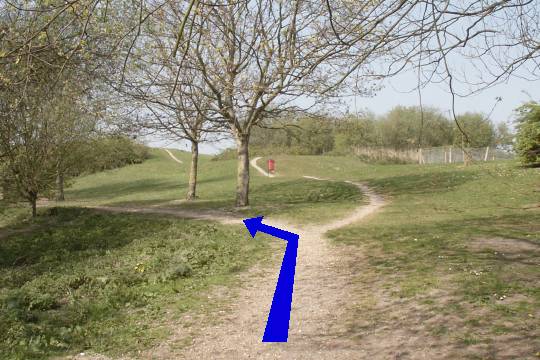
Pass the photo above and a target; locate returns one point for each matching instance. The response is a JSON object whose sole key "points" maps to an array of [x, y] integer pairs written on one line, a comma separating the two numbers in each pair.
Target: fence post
{"points": [[450, 155], [487, 153]]}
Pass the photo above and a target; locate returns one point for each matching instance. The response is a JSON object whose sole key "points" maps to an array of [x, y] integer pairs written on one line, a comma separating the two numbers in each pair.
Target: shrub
{"points": [[528, 134], [113, 152]]}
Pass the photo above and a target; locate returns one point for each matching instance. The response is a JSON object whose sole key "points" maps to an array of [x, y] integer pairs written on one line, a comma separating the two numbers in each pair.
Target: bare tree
{"points": [[166, 102], [258, 59], [33, 85], [468, 46]]}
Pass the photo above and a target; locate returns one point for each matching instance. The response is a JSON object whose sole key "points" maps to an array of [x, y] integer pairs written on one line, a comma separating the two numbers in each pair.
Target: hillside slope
{"points": [[448, 269]]}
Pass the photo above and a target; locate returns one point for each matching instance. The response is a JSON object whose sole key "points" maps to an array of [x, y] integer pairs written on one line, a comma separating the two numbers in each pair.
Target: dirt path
{"points": [[318, 317], [322, 295], [210, 215], [253, 163], [173, 157]]}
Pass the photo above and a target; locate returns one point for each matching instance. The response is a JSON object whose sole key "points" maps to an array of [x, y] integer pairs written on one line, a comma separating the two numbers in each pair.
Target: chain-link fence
{"points": [[437, 155]]}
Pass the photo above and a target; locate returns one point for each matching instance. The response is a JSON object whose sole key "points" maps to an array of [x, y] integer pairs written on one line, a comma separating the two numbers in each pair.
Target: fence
{"points": [[437, 155]]}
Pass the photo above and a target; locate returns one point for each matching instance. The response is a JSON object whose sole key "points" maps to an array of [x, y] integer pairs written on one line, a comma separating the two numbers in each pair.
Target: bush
{"points": [[528, 135], [112, 152]]}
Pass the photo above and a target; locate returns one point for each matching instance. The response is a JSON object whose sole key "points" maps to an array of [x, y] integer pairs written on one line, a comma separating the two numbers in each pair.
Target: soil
{"points": [[322, 295], [173, 157], [341, 309]]}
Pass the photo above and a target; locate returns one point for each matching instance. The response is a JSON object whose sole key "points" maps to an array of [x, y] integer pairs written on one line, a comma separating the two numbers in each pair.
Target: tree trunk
{"points": [[466, 157], [60, 187], [33, 202], [242, 180], [191, 195]]}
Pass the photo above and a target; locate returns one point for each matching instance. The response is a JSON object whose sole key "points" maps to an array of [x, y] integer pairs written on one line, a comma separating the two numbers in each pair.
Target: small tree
{"points": [[72, 127], [26, 146], [168, 103], [35, 72], [505, 137], [528, 134], [479, 129]]}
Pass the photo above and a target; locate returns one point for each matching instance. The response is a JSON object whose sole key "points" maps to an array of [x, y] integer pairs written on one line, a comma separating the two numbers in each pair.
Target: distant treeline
{"points": [[400, 129]]}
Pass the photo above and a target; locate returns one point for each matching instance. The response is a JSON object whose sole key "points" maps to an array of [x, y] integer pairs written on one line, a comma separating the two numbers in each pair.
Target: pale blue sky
{"points": [[397, 91]]}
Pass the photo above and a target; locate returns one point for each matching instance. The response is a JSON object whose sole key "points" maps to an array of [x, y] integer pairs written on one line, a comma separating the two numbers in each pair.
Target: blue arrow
{"points": [[277, 325]]}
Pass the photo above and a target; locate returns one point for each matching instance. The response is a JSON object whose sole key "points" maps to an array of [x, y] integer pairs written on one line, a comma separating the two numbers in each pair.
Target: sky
{"points": [[397, 91]]}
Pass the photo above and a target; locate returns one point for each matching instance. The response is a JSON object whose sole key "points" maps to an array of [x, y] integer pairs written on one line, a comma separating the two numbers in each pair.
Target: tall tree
{"points": [[257, 59], [36, 67], [166, 102]]}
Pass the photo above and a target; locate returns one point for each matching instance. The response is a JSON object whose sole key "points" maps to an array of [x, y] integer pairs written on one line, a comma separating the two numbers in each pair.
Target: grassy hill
{"points": [[457, 244], [162, 181], [78, 279], [460, 242]]}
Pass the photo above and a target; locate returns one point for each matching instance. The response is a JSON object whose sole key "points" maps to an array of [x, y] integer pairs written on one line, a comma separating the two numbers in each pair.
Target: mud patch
{"points": [[521, 250]]}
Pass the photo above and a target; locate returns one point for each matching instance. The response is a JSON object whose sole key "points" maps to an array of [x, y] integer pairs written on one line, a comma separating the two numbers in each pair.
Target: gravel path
{"points": [[173, 157], [320, 297], [322, 292], [254, 164]]}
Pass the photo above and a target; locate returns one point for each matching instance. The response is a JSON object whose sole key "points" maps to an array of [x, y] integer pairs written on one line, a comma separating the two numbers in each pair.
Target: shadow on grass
{"points": [[51, 243], [268, 198], [302, 191], [426, 183], [122, 188], [145, 187], [83, 279]]}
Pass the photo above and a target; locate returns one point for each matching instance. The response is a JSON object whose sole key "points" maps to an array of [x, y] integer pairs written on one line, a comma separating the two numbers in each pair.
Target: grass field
{"points": [[161, 181], [107, 282], [77, 279], [460, 242]]}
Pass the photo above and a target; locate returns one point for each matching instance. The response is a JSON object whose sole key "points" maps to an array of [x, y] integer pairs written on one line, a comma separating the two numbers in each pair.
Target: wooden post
{"points": [[487, 153], [420, 157], [450, 155], [445, 155]]}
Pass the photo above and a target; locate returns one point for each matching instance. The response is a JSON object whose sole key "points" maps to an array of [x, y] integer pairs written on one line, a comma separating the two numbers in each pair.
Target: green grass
{"points": [[75, 279], [161, 181], [85, 280], [11, 214], [108, 282], [427, 238]]}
